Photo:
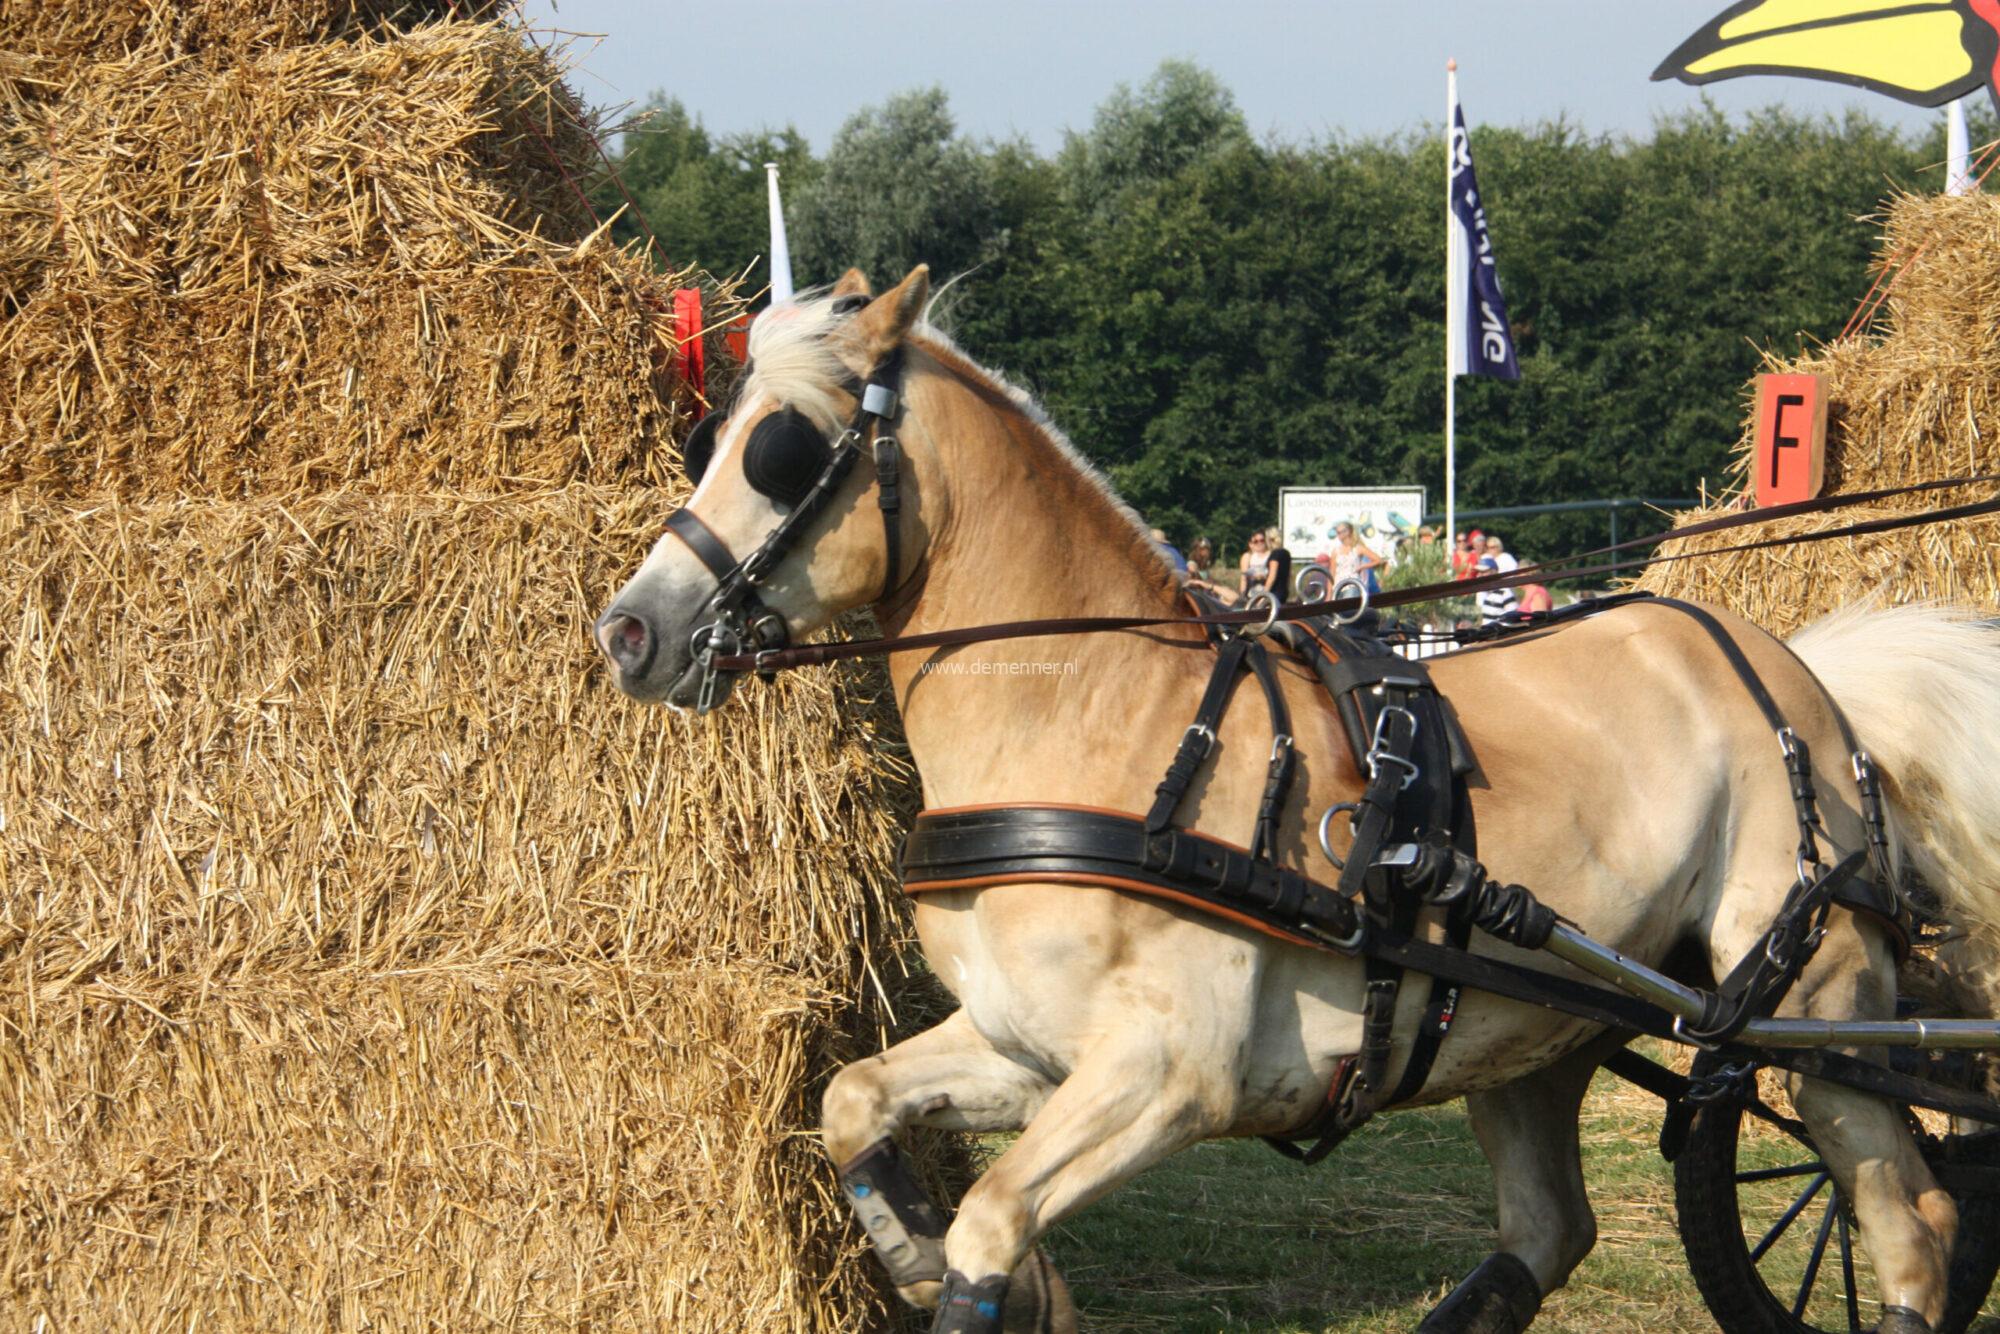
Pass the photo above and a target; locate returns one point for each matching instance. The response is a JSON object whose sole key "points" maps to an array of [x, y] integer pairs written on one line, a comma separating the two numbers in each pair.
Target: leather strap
{"points": [[701, 540], [808, 655], [1199, 738]]}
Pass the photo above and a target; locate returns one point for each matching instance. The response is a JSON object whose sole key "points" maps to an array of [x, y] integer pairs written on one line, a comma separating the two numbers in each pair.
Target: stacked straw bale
{"points": [[1917, 401], [365, 961]]}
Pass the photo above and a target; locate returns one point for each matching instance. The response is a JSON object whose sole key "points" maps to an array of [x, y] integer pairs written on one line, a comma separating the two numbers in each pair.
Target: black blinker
{"points": [[785, 456], [699, 447]]}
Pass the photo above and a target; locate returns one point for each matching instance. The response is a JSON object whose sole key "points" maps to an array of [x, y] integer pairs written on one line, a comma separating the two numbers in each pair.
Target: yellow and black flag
{"points": [[1924, 51]]}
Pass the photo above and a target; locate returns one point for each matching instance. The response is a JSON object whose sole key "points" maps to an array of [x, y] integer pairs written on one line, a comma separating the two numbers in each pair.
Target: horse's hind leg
{"points": [[1528, 1131], [1908, 1221], [949, 1077]]}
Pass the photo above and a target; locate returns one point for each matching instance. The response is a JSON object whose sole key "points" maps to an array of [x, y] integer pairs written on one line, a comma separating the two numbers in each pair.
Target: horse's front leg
{"points": [[1129, 1104], [951, 1078]]}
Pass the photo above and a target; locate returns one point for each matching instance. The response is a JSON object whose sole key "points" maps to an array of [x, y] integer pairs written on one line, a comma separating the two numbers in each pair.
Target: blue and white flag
{"points": [[1481, 343]]}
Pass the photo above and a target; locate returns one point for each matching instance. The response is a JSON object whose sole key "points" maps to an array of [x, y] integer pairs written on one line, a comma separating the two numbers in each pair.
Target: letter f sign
{"points": [[1791, 438]]}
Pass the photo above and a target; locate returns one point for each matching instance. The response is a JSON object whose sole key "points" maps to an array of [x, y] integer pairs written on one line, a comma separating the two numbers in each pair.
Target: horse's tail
{"points": [[1921, 684]]}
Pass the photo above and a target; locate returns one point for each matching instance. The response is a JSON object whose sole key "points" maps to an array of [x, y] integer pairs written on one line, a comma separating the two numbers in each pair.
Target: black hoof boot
{"points": [[902, 1224], [1499, 1297], [1902, 1320], [966, 1307]]}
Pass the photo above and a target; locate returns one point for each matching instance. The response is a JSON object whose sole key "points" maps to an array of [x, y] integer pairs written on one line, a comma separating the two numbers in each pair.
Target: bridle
{"points": [[735, 620]]}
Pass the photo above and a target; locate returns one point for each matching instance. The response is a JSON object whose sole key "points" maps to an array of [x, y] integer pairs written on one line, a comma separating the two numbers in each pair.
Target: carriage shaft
{"points": [[1635, 978]]}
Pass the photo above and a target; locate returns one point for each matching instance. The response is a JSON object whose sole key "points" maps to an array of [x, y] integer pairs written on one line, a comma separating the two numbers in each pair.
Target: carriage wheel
{"points": [[1771, 1240]]}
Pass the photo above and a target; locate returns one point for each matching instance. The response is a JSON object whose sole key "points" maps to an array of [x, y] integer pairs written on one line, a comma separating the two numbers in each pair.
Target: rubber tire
{"points": [[1711, 1228]]}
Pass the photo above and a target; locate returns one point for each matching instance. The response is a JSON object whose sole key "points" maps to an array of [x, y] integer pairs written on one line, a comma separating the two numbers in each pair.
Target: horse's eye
{"points": [[700, 445]]}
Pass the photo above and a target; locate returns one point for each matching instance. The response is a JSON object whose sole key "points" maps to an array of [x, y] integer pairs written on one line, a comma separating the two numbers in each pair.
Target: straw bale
{"points": [[150, 174], [365, 959], [101, 29], [1915, 399], [526, 375]]}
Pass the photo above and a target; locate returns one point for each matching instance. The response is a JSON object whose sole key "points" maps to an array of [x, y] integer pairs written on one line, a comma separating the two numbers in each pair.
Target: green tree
{"points": [[704, 198], [899, 187]]}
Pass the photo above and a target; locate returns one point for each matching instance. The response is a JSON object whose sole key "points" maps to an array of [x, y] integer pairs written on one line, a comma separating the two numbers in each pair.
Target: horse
{"points": [[1621, 772]]}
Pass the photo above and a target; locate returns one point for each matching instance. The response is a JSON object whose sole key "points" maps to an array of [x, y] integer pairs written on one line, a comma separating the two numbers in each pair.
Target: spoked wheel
{"points": [[1772, 1240]]}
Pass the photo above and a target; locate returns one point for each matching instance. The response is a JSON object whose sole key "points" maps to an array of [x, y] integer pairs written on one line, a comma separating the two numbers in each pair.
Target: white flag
{"points": [[781, 253]]}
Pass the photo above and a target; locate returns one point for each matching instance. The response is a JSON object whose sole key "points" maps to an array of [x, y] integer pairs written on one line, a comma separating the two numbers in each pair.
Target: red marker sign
{"points": [[1791, 438]]}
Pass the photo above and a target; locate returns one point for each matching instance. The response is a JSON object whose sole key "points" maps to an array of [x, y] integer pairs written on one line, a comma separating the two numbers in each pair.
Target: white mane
{"points": [[795, 359]]}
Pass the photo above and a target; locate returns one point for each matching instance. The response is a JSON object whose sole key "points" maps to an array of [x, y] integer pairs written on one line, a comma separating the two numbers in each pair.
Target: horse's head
{"points": [[802, 489]]}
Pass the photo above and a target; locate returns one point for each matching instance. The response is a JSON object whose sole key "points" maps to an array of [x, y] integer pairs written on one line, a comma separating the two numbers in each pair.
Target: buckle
{"points": [[1205, 732]]}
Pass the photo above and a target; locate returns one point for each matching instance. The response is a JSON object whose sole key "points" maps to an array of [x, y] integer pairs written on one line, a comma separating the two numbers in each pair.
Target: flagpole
{"points": [[781, 252], [1452, 323], [1958, 152]]}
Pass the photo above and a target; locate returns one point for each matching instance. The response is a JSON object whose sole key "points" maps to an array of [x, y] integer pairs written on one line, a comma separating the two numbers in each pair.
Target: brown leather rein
{"points": [[1573, 567]]}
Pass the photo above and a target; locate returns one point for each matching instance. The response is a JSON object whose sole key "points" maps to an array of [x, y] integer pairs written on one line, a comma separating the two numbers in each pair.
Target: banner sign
{"points": [[1791, 438], [1382, 517], [1484, 344]]}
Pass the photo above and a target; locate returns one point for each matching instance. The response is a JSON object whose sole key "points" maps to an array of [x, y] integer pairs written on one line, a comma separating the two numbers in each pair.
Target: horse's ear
{"points": [[889, 316], [853, 283]]}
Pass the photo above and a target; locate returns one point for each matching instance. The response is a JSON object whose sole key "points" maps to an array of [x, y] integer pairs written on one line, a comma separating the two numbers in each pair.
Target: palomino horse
{"points": [[1623, 774]]}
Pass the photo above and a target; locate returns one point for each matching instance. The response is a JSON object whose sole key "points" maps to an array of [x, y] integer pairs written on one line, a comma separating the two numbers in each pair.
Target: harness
{"points": [[1412, 849], [790, 462]]}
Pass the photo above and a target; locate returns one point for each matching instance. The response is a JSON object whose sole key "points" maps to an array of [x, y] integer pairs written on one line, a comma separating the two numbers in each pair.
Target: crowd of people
{"points": [[1266, 564]]}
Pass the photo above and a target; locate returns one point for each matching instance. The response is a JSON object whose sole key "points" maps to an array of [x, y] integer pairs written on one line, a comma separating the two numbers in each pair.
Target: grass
{"points": [[1230, 1236]]}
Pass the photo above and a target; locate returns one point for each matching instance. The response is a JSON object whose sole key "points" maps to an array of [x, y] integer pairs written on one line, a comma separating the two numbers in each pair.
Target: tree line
{"points": [[1211, 316]]}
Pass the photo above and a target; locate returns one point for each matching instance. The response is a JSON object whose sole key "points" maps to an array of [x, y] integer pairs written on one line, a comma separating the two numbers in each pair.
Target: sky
{"points": [[1036, 68]]}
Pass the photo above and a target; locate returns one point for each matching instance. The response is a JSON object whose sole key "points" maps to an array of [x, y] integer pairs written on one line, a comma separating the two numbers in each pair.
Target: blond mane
{"points": [[796, 359]]}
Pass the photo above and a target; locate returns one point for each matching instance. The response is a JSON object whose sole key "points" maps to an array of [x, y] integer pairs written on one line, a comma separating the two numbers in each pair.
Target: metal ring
{"points": [[1259, 597], [1326, 827], [1360, 591]]}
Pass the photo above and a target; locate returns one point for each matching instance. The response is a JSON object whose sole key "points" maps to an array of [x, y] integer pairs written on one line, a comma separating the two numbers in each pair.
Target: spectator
{"points": [[1353, 560], [1255, 564], [1280, 580], [1201, 555], [1167, 549], [1503, 560], [1494, 603], [1465, 555], [1536, 597]]}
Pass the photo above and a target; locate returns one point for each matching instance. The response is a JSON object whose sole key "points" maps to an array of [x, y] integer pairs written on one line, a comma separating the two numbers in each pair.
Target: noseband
{"points": [[735, 617]]}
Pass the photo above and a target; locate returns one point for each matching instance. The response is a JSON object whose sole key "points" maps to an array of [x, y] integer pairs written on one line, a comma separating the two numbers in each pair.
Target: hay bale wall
{"points": [[1916, 400], [365, 961]]}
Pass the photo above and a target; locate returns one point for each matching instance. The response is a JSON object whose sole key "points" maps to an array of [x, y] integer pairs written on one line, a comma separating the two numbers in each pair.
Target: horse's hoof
{"points": [[965, 1307], [1499, 1297], [924, 1296], [1038, 1300], [1902, 1320]]}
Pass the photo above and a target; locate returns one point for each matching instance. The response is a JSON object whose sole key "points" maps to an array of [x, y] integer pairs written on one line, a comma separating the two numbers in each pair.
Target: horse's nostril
{"points": [[627, 641]]}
